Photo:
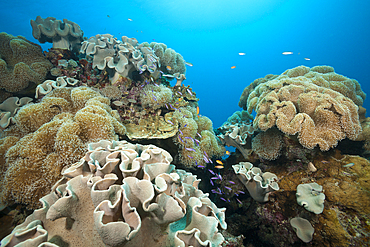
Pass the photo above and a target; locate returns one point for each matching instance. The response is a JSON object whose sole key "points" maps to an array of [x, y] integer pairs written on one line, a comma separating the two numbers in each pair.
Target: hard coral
{"points": [[21, 62], [54, 134], [297, 105], [123, 194]]}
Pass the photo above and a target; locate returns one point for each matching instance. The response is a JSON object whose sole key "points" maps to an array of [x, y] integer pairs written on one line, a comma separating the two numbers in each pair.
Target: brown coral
{"points": [[268, 144], [21, 62], [55, 134], [297, 105]]}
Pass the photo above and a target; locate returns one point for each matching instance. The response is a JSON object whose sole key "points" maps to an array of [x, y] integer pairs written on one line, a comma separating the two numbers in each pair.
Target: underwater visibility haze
{"points": [[185, 123]]}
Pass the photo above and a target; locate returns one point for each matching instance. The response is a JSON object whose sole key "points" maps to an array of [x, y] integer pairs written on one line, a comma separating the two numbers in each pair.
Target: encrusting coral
{"points": [[52, 135], [63, 35], [21, 62], [301, 101], [123, 194]]}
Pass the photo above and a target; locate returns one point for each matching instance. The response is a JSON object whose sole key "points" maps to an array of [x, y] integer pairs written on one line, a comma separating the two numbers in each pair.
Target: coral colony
{"points": [[97, 148]]}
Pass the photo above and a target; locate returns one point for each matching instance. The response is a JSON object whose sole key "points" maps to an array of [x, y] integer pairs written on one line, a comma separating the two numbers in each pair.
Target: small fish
{"points": [[211, 182], [219, 176], [223, 199], [349, 165], [227, 153], [129, 19], [236, 194], [171, 106], [200, 166], [188, 137], [205, 159], [241, 53], [189, 64], [168, 68], [156, 84], [214, 178], [325, 162], [180, 99], [306, 58], [197, 110], [108, 16], [154, 98], [190, 157], [232, 182], [216, 192], [233, 67], [219, 162], [189, 91], [238, 200], [241, 192], [151, 78], [205, 154], [287, 53], [170, 76], [212, 172], [219, 167], [190, 149], [181, 132], [199, 135], [166, 106], [185, 124], [227, 188], [181, 139], [179, 93]]}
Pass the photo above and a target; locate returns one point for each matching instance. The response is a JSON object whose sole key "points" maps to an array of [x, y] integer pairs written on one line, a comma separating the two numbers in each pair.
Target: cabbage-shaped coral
{"points": [[9, 108], [63, 35], [123, 57], [301, 101], [123, 194], [53, 134], [21, 62]]}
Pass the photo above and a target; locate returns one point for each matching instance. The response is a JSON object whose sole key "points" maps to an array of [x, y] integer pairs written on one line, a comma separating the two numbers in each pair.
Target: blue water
{"points": [[211, 33]]}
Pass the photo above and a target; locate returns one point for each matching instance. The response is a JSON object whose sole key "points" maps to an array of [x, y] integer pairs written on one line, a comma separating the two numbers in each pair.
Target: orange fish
{"points": [[197, 110], [219, 167], [169, 68], [233, 67], [180, 99], [219, 162], [227, 153]]}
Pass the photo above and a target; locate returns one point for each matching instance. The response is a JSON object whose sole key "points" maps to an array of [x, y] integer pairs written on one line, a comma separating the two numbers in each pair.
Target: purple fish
{"points": [[181, 132], [190, 149], [187, 137], [171, 106], [180, 139], [205, 159], [179, 93], [142, 85], [166, 106], [239, 201], [214, 178], [216, 192], [223, 199], [154, 98], [211, 182], [185, 125], [169, 122], [236, 194], [227, 188], [200, 166], [219, 176], [190, 157], [232, 182], [212, 172], [155, 84], [189, 91], [241, 192], [199, 135]]}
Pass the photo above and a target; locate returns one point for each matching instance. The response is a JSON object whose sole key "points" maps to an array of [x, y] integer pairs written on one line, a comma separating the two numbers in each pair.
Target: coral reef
{"points": [[63, 35], [48, 85], [21, 62], [316, 106], [52, 135], [303, 228], [268, 144], [125, 188]]}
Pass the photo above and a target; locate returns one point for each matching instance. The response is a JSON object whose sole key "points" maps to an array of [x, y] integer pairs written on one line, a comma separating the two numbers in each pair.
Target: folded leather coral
{"points": [[316, 104], [63, 35], [122, 194]]}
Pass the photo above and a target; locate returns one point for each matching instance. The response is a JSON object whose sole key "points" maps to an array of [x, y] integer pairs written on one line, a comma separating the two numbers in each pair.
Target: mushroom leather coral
{"points": [[21, 62], [123, 194], [55, 133], [296, 105]]}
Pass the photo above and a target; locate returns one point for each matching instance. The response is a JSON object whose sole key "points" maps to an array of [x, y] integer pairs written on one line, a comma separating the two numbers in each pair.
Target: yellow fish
{"points": [[197, 110], [129, 19], [219, 162], [219, 167], [227, 153], [233, 67], [180, 99], [169, 68], [287, 53]]}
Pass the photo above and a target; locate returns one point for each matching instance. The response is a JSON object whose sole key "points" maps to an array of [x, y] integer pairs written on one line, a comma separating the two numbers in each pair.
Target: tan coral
{"points": [[21, 62], [297, 105], [55, 134], [268, 144]]}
